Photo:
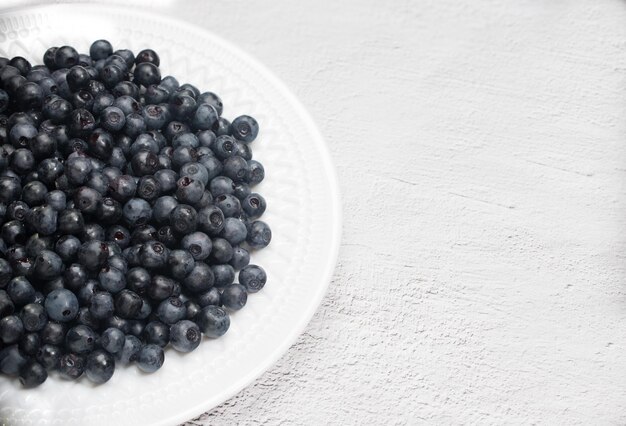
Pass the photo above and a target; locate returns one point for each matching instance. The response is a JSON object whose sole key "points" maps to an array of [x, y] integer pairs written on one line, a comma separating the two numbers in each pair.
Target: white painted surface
{"points": [[481, 151]]}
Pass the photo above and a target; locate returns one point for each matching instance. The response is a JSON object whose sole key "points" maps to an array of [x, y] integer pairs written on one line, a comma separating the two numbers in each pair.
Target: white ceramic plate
{"points": [[303, 211]]}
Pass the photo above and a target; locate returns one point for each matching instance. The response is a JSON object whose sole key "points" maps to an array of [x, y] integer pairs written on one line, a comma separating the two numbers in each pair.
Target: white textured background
{"points": [[481, 152]]}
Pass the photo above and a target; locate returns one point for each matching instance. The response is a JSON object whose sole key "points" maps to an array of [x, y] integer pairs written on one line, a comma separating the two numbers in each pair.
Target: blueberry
{"points": [[70, 221], [122, 188], [234, 230], [11, 329], [20, 291], [111, 75], [150, 358], [10, 189], [11, 360], [100, 49], [234, 297], [213, 321], [149, 188], [136, 212], [33, 317], [145, 163], [112, 340], [126, 88], [32, 374], [241, 191], [112, 119], [47, 265], [13, 232], [244, 128], [56, 199], [153, 255], [222, 127], [101, 305], [130, 350], [29, 96], [229, 205], [86, 292], [157, 333], [138, 280], [198, 244], [224, 274], [174, 128], [75, 277], [183, 219], [149, 56], [156, 94], [22, 161], [71, 366], [146, 74], [111, 279], [204, 117], [180, 263], [80, 339], [259, 235], [183, 155], [85, 318], [117, 261], [67, 247], [185, 336], [127, 55], [195, 171], [43, 219], [200, 279], [49, 356], [171, 310], [135, 125], [81, 123], [186, 139], [143, 234], [101, 102], [222, 250], [155, 116], [211, 99], [182, 106], [43, 146], [53, 333], [131, 254], [211, 297], [189, 190], [256, 172], [93, 231], [144, 142], [167, 180], [224, 147], [87, 200], [161, 288], [77, 78], [100, 366], [93, 255], [253, 277], [49, 171], [77, 170], [65, 57], [61, 305], [127, 304], [221, 185]]}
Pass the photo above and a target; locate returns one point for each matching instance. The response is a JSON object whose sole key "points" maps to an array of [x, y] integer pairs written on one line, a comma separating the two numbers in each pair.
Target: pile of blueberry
{"points": [[126, 210]]}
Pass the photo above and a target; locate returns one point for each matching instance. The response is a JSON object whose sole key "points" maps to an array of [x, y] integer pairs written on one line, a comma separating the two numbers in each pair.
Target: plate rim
{"points": [[329, 170]]}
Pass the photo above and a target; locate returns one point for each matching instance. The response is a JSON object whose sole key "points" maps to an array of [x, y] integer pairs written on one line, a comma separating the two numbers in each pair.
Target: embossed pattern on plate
{"points": [[303, 211]]}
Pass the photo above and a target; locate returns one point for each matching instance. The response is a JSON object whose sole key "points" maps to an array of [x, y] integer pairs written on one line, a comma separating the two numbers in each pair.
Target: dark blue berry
{"points": [[234, 297], [100, 366], [253, 277], [213, 321], [185, 336], [61, 305], [259, 235]]}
